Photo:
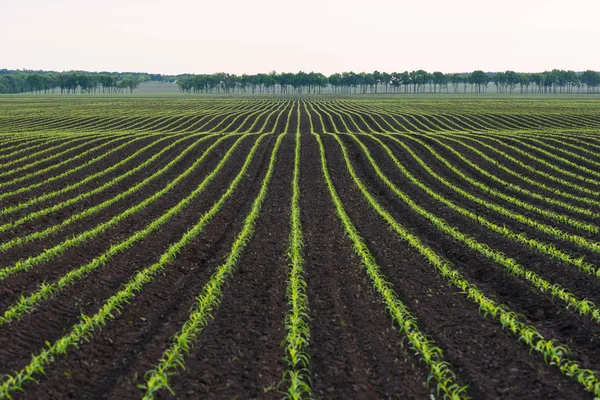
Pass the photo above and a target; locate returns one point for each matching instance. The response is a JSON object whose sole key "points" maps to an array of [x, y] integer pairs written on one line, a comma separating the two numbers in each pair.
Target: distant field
{"points": [[157, 88], [174, 246]]}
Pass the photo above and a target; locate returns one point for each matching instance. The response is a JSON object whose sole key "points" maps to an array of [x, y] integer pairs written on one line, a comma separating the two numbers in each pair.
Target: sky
{"points": [[235, 36]]}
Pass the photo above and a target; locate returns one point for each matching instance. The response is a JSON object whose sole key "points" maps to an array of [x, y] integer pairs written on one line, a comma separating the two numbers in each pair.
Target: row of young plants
{"points": [[21, 141], [450, 121], [543, 247], [87, 162], [208, 300], [28, 303], [408, 116], [278, 107], [405, 321], [542, 147], [296, 377], [89, 178], [23, 204], [549, 214], [297, 338], [551, 165], [552, 352], [78, 216], [82, 123], [584, 307], [10, 144], [67, 114], [56, 152], [219, 119], [130, 123], [566, 142], [574, 142], [207, 116], [554, 201], [568, 195], [210, 296], [412, 120], [546, 213], [88, 326], [53, 123], [58, 142], [64, 158], [50, 253], [464, 140], [511, 214], [47, 118], [103, 118], [16, 148], [97, 190], [578, 140]]}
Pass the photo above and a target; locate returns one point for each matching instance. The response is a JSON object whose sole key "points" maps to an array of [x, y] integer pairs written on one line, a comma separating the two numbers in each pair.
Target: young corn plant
{"points": [[201, 313], [542, 247], [440, 370], [512, 186], [296, 377], [27, 304], [558, 354], [39, 235], [584, 307], [89, 178], [89, 325]]}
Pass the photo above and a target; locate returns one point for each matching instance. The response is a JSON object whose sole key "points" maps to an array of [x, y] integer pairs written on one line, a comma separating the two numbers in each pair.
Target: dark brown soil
{"points": [[517, 374], [355, 350]]}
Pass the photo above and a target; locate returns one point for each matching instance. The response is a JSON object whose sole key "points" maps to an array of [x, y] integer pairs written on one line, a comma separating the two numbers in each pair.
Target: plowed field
{"points": [[213, 247]]}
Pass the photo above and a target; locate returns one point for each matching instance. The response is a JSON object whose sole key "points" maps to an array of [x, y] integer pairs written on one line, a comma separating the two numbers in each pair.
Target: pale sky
{"points": [[197, 36]]}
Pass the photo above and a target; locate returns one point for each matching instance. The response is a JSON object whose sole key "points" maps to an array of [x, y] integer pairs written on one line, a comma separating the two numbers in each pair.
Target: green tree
{"points": [[480, 80]]}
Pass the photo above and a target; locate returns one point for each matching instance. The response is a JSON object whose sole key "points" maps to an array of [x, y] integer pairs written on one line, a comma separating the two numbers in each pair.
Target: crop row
{"points": [[88, 325], [537, 191], [554, 353]]}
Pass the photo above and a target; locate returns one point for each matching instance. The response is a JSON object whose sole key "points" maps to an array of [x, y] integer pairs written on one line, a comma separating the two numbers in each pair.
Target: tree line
{"points": [[71, 82], [548, 82]]}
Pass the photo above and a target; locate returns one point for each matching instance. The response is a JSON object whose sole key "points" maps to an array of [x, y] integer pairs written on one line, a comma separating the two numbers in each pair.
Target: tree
{"points": [[131, 83], [480, 80], [525, 81], [591, 79], [440, 80], [455, 80]]}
